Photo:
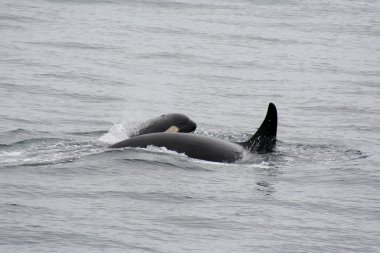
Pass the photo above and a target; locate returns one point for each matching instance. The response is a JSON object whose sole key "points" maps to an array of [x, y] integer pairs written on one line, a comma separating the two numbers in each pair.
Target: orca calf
{"points": [[170, 123], [210, 148]]}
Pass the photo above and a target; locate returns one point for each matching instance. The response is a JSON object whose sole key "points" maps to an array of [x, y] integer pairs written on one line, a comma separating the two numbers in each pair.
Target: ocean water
{"points": [[79, 75]]}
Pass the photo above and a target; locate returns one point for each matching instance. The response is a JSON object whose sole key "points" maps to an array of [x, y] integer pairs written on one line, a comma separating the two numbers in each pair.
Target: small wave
{"points": [[18, 18], [18, 130], [318, 153], [75, 45], [44, 151], [14, 136], [89, 134], [36, 140]]}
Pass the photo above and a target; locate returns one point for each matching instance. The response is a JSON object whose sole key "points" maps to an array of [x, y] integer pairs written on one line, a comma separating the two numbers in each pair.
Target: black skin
{"points": [[164, 122], [210, 148], [195, 146]]}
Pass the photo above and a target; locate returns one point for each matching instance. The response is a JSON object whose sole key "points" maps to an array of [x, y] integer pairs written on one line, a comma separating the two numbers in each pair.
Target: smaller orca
{"points": [[210, 148], [170, 123]]}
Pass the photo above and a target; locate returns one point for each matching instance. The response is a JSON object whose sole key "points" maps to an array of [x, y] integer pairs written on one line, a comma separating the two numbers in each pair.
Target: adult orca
{"points": [[170, 123], [210, 148]]}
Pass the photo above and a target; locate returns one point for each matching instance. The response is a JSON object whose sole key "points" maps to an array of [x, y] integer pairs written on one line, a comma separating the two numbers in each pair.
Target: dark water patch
{"points": [[12, 27], [166, 197], [328, 109], [200, 222], [19, 120], [265, 187], [330, 151], [21, 207], [143, 196], [162, 30], [8, 85], [85, 2], [17, 131], [89, 134], [271, 40], [60, 238], [177, 5], [38, 141], [19, 18], [356, 154], [167, 55], [65, 93], [222, 78], [11, 137], [75, 45], [86, 78], [263, 183], [30, 89]]}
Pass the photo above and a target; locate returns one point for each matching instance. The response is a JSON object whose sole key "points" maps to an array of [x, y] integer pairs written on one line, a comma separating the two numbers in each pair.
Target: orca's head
{"points": [[171, 123]]}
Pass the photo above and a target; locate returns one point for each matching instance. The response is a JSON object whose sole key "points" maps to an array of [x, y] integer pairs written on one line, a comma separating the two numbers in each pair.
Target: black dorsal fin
{"points": [[264, 140]]}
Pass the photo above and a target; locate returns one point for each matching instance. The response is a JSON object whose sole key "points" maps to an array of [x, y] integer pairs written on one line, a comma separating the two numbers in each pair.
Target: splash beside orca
{"points": [[159, 133]]}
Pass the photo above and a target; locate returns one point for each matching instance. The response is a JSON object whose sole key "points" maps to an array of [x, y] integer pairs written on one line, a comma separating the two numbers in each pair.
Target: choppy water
{"points": [[77, 75]]}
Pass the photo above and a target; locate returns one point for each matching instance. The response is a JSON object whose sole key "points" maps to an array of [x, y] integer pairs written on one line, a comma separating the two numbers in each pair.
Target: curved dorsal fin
{"points": [[264, 140]]}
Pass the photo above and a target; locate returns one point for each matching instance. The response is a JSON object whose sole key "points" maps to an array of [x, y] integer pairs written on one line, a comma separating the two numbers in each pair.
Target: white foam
{"points": [[122, 130], [155, 149], [10, 153], [116, 133]]}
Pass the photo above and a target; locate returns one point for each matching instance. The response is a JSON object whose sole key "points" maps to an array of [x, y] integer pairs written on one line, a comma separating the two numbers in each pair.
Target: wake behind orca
{"points": [[210, 148]]}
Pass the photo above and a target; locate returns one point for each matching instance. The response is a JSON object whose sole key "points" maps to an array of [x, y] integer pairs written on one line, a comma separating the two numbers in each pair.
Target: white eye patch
{"points": [[172, 129]]}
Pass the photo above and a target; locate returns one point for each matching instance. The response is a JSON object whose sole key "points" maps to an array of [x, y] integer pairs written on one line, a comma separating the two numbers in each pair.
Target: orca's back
{"points": [[194, 146]]}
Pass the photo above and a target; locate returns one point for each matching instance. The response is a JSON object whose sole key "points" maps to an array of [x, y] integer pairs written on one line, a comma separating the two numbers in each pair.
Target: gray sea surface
{"points": [[79, 75]]}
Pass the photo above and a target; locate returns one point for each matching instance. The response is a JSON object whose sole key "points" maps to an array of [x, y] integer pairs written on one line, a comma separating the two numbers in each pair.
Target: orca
{"points": [[170, 123], [210, 148]]}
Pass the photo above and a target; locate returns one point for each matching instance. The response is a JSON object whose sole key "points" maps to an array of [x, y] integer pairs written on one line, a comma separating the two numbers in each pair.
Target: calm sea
{"points": [[78, 75]]}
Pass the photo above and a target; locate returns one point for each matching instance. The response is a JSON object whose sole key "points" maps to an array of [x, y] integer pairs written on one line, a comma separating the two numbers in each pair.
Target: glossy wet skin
{"points": [[172, 123], [203, 147], [195, 146]]}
